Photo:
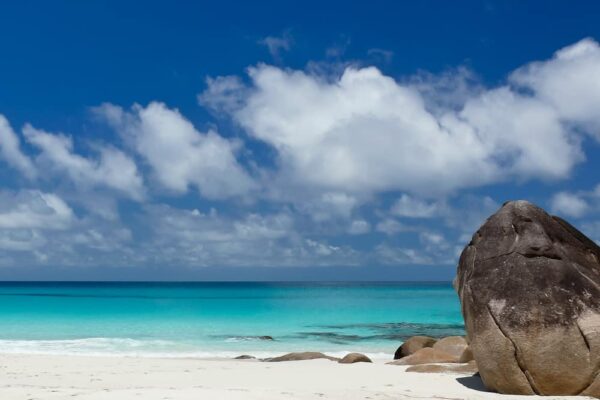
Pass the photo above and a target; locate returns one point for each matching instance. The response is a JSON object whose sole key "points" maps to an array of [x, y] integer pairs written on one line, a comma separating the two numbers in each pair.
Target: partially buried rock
{"points": [[308, 355], [462, 368], [455, 345], [244, 357], [427, 355], [529, 286], [412, 345], [352, 358]]}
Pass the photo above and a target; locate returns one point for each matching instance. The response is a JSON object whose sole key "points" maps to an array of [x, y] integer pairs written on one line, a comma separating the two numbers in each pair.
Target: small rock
{"points": [[244, 357], [412, 345], [307, 355], [427, 355], [266, 337], [352, 358]]}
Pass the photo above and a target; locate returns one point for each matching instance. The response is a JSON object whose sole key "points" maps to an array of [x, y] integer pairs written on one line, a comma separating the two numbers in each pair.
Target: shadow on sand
{"points": [[472, 382]]}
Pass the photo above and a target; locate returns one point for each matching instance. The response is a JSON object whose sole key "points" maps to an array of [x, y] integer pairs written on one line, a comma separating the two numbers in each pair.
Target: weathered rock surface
{"points": [[529, 285], [352, 358], [308, 355], [462, 368], [455, 345], [412, 345], [427, 355]]}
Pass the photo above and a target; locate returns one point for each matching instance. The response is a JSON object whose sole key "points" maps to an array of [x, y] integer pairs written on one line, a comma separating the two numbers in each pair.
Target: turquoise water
{"points": [[222, 319]]}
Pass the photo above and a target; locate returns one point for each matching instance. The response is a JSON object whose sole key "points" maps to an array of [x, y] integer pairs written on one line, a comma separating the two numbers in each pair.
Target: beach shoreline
{"points": [[27, 376]]}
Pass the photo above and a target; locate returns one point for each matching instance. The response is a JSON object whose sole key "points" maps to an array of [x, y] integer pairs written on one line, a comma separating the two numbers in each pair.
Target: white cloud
{"points": [[30, 209], [359, 227], [277, 44], [393, 255], [364, 132], [113, 169], [391, 226], [408, 206], [569, 82], [10, 150], [178, 154], [569, 204]]}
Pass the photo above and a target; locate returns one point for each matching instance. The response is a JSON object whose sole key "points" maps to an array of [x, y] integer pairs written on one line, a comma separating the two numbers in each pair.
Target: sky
{"points": [[295, 140]]}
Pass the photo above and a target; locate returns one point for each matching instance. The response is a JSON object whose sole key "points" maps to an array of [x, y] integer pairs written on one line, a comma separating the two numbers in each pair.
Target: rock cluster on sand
{"points": [[352, 358], [425, 354], [529, 285], [307, 355], [412, 345]]}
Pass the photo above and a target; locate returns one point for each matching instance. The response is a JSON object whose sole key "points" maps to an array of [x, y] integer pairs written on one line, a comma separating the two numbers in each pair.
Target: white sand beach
{"points": [[102, 378]]}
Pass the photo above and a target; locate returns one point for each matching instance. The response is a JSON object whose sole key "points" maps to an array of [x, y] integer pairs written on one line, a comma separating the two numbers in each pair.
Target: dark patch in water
{"points": [[244, 337], [394, 331]]}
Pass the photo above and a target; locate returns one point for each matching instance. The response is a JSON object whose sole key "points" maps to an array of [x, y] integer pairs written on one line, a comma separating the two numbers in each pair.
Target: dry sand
{"points": [[44, 377]]}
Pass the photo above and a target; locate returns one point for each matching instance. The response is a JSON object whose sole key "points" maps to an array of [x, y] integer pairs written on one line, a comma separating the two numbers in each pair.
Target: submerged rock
{"points": [[529, 286], [412, 345], [426, 355], [352, 358], [265, 338], [308, 355], [462, 368]]}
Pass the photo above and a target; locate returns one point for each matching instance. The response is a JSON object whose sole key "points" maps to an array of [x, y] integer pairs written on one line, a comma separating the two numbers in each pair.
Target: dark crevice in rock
{"points": [[521, 366], [585, 340], [550, 256], [494, 257]]}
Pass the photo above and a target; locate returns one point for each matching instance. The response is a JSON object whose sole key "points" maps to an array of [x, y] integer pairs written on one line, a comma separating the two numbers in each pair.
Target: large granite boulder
{"points": [[529, 286], [412, 345]]}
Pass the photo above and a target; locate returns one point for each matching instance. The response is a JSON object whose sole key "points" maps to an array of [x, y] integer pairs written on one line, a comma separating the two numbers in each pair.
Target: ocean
{"points": [[222, 319]]}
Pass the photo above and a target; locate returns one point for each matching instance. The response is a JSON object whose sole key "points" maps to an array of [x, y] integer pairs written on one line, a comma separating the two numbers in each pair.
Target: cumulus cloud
{"points": [[365, 132], [569, 204], [33, 209], [391, 226], [341, 143], [10, 150], [112, 169], [179, 155], [569, 82], [408, 206], [37, 227]]}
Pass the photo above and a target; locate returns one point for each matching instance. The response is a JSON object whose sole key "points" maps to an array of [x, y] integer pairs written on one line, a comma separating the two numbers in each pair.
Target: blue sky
{"points": [[287, 140]]}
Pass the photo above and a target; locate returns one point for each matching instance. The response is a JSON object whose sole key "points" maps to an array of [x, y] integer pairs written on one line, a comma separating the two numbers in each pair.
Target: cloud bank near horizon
{"points": [[354, 168]]}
